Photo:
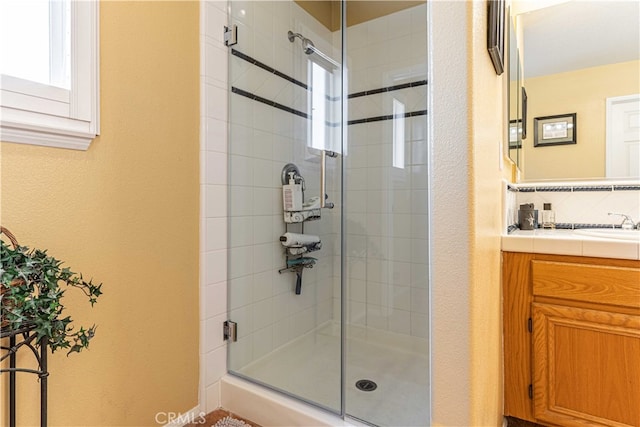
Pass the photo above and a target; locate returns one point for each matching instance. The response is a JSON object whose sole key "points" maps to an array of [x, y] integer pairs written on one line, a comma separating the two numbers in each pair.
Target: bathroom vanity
{"points": [[571, 330]]}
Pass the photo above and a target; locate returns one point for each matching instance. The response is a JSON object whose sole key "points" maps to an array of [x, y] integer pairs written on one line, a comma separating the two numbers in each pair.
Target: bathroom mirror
{"points": [[514, 72], [576, 55]]}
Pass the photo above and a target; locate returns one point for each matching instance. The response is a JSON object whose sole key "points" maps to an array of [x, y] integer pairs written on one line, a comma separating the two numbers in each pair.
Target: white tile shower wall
{"points": [[213, 201], [584, 207], [386, 200], [263, 140]]}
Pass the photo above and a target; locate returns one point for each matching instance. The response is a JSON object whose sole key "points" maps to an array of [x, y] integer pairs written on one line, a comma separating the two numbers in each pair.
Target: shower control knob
{"points": [[328, 205]]}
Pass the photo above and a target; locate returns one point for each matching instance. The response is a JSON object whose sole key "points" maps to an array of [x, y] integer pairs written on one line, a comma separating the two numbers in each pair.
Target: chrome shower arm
{"points": [[310, 49], [307, 45], [291, 36]]}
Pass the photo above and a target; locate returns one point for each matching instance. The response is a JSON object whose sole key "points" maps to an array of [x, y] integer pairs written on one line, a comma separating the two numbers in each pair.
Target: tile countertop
{"points": [[567, 242]]}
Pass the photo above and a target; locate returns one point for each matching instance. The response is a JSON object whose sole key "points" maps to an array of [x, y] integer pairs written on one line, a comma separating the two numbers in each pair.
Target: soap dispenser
{"points": [[292, 194], [527, 217]]}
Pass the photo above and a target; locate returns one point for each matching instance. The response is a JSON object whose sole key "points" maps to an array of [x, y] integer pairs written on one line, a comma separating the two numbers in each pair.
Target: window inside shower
{"points": [[324, 105], [307, 80]]}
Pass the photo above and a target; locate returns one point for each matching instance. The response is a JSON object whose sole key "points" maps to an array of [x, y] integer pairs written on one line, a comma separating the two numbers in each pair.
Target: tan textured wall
{"points": [[488, 117], [583, 92], [449, 136], [468, 132], [126, 213]]}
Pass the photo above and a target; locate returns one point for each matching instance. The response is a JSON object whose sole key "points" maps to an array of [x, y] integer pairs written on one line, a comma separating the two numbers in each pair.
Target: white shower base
{"points": [[309, 367]]}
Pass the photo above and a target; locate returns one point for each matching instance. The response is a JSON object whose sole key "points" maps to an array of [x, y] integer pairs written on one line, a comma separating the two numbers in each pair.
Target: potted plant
{"points": [[32, 285]]}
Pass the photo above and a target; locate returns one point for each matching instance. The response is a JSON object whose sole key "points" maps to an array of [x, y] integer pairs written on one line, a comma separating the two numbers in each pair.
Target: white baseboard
{"points": [[195, 415]]}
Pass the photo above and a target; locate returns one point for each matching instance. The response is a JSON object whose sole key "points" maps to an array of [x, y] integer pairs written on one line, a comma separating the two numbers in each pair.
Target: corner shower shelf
{"points": [[295, 268], [298, 217], [291, 250]]}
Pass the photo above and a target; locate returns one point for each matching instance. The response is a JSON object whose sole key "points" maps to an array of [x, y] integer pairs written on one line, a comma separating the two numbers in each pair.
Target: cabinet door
{"points": [[516, 306], [586, 366]]}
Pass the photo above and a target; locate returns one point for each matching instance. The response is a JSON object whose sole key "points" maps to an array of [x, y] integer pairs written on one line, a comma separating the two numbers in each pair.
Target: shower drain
{"points": [[366, 385]]}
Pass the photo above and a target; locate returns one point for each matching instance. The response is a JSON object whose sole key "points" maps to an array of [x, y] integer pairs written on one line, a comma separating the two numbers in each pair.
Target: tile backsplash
{"points": [[576, 204]]}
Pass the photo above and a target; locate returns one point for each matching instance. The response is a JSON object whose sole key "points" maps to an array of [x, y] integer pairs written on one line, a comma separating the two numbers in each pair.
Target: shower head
{"points": [[310, 49], [307, 45]]}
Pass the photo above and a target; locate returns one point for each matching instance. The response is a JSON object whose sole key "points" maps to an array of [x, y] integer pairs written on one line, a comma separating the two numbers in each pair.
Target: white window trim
{"points": [[38, 114]]}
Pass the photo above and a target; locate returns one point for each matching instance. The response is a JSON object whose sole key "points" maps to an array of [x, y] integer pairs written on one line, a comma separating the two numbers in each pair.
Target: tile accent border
{"points": [[299, 113], [388, 117], [290, 79], [272, 70], [387, 89], [268, 102], [625, 187], [571, 226], [572, 193], [527, 188], [583, 226], [265, 67], [594, 188]]}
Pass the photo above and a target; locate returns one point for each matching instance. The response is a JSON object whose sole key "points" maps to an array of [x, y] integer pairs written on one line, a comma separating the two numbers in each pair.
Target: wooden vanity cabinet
{"points": [[571, 340]]}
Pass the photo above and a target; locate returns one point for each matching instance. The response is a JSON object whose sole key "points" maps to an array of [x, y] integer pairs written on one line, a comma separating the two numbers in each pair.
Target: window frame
{"points": [[322, 108], [45, 115]]}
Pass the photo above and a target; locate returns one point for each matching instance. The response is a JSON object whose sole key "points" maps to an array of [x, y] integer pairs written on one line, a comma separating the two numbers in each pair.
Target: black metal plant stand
{"points": [[27, 338]]}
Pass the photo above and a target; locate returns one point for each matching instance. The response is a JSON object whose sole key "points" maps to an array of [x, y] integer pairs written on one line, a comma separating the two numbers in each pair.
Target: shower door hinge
{"points": [[230, 331], [230, 35]]}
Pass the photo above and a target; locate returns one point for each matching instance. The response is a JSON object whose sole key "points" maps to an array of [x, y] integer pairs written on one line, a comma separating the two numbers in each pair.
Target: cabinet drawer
{"points": [[600, 284]]}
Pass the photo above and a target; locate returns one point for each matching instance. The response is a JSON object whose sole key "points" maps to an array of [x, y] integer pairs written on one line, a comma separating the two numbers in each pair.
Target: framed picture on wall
{"points": [[514, 131], [495, 34], [554, 130]]}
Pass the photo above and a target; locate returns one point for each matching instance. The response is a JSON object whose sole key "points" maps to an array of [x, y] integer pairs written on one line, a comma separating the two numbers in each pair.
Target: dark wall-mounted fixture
{"points": [[524, 113], [495, 34]]}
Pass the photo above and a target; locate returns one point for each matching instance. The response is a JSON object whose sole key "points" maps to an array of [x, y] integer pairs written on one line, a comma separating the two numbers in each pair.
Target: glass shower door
{"points": [[386, 211], [301, 239], [285, 153]]}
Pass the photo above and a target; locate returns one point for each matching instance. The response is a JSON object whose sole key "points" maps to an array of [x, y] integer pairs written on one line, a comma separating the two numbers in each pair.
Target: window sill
{"points": [[39, 129]]}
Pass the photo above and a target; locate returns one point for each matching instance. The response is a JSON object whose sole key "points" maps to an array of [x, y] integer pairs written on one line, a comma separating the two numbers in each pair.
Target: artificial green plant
{"points": [[33, 284]]}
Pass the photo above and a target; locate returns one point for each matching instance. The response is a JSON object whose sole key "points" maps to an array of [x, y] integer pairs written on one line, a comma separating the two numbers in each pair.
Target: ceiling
{"points": [[580, 34], [358, 11]]}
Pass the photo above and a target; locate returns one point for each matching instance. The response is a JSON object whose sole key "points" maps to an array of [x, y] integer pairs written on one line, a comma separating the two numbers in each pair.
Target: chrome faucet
{"points": [[627, 222]]}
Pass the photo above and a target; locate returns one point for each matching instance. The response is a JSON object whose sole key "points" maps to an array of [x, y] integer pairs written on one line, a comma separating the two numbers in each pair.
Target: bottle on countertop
{"points": [[548, 217]]}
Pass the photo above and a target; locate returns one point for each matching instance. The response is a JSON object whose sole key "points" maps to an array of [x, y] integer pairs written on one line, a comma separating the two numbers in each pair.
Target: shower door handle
{"points": [[323, 178]]}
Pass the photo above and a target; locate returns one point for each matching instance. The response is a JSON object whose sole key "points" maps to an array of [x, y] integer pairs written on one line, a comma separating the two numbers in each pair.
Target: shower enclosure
{"points": [[328, 204]]}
